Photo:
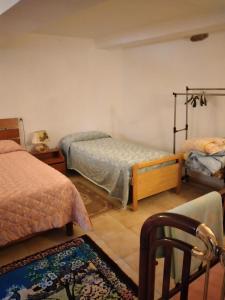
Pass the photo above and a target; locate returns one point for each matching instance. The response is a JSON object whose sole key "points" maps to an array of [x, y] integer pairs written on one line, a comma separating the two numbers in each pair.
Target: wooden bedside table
{"points": [[52, 157]]}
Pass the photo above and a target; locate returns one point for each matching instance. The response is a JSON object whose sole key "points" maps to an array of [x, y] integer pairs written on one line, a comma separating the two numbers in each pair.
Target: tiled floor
{"points": [[116, 231]]}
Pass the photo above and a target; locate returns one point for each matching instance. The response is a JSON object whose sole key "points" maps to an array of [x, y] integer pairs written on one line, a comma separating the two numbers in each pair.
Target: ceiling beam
{"points": [[164, 32]]}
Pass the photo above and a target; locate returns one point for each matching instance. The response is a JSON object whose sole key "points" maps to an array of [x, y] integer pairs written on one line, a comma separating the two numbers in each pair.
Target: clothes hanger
{"points": [[204, 98], [193, 100]]}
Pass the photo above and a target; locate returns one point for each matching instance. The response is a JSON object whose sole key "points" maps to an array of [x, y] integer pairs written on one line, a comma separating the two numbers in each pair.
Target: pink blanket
{"points": [[34, 197]]}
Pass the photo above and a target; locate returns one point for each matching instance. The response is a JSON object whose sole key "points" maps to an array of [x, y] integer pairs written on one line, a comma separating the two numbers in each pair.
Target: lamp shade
{"points": [[40, 137]]}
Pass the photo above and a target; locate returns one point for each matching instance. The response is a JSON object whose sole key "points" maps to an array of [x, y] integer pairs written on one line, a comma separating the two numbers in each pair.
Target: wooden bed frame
{"points": [[158, 180], [154, 181], [9, 130]]}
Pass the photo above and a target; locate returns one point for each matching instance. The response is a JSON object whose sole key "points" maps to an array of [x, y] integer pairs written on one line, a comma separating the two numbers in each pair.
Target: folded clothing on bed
{"points": [[209, 145], [205, 155], [205, 163]]}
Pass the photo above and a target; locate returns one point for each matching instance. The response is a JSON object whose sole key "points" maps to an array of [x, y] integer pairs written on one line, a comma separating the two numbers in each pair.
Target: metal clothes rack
{"points": [[199, 92]]}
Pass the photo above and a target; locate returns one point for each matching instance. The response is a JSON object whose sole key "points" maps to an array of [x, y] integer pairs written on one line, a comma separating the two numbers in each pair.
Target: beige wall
{"points": [[66, 84], [59, 84], [151, 74]]}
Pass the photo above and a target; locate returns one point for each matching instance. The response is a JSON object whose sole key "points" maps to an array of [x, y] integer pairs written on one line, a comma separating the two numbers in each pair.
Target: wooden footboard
{"points": [[157, 180], [9, 129]]}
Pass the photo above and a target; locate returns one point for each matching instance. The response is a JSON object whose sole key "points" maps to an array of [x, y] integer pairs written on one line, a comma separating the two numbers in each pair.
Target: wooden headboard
{"points": [[9, 129]]}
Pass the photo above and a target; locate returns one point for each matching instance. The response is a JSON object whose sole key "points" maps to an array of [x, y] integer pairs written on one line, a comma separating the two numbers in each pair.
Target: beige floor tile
{"points": [[127, 269], [105, 225], [129, 218], [104, 247], [109, 251], [133, 261], [124, 243], [137, 229], [93, 236]]}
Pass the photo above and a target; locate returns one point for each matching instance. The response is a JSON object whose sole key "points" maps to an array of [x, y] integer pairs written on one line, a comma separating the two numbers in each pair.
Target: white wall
{"points": [[66, 84], [151, 74], [59, 84]]}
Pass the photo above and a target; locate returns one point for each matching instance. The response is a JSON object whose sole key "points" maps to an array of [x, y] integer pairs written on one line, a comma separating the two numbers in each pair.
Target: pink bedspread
{"points": [[34, 197]]}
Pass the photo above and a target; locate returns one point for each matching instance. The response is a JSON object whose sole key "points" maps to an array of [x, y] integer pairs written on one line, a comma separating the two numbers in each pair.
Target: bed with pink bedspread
{"points": [[33, 196]]}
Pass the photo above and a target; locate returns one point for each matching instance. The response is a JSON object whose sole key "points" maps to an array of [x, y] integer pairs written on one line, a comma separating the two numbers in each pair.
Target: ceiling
{"points": [[6, 4], [114, 23]]}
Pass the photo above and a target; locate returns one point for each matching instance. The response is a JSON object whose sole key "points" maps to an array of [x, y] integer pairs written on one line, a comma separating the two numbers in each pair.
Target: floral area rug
{"points": [[77, 269], [95, 199]]}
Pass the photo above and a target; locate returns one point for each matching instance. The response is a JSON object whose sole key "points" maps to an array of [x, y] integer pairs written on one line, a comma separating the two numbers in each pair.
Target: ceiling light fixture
{"points": [[199, 37]]}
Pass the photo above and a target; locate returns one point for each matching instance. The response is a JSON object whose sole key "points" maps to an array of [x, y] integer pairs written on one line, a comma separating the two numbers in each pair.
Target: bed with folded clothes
{"points": [[33, 196], [115, 165], [205, 155]]}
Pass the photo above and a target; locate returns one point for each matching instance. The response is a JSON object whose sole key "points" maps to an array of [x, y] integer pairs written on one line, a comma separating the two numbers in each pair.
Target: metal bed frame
{"points": [[150, 242]]}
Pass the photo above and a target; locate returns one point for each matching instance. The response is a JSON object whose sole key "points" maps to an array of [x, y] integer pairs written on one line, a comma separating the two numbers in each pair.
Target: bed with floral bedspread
{"points": [[108, 162]]}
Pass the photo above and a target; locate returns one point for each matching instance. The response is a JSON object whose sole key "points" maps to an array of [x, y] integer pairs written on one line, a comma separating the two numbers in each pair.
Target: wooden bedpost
{"points": [[69, 228]]}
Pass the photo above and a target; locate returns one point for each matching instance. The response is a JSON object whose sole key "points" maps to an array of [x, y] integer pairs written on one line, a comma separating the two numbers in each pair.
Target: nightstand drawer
{"points": [[60, 167], [52, 157]]}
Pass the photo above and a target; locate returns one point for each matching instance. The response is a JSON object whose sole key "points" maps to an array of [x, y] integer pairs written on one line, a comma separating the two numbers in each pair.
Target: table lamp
{"points": [[39, 140]]}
